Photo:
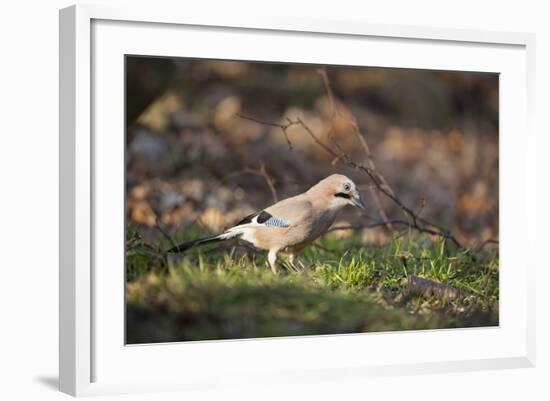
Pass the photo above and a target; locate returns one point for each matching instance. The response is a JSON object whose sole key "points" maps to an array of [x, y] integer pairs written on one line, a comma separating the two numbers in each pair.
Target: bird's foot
{"points": [[273, 268], [295, 263]]}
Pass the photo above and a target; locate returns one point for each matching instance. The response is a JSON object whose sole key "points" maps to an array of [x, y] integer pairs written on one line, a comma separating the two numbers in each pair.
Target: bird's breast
{"points": [[321, 223]]}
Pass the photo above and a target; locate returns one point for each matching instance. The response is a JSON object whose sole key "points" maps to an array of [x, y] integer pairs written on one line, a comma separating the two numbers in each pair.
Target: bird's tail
{"points": [[202, 241]]}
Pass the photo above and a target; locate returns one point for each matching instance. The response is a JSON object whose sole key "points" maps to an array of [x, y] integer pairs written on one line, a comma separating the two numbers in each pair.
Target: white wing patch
{"points": [[245, 228]]}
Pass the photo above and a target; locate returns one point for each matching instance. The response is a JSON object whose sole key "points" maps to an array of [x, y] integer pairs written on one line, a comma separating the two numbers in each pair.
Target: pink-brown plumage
{"points": [[293, 223]]}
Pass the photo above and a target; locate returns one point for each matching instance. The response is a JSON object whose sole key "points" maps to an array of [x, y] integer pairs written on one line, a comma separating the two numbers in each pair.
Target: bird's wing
{"points": [[263, 218], [288, 212]]}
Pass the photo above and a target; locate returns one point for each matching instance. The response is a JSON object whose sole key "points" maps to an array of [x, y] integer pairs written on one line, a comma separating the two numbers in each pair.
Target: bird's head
{"points": [[340, 190]]}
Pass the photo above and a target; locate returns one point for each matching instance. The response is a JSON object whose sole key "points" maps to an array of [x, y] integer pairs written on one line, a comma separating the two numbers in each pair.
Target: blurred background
{"points": [[193, 161]]}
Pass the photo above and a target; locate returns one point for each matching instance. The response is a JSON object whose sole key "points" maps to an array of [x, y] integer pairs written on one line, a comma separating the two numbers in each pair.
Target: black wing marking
{"points": [[248, 219], [263, 217]]}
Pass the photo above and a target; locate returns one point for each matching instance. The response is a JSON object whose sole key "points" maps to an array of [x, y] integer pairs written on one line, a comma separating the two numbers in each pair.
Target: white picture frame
{"points": [[89, 362]]}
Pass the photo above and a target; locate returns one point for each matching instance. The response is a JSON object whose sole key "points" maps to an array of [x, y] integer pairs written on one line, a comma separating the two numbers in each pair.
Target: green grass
{"points": [[346, 287]]}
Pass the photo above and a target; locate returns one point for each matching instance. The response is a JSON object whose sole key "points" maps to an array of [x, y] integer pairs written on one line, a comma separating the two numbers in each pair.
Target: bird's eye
{"points": [[347, 186]]}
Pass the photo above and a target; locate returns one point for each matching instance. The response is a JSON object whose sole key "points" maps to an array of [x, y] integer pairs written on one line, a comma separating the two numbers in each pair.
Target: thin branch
{"points": [[249, 249], [362, 140], [396, 222], [328, 88], [377, 178], [269, 180], [421, 207], [159, 228], [416, 222], [282, 127], [261, 172]]}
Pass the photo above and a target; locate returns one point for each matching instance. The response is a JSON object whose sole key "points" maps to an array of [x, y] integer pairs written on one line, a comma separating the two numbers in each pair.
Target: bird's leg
{"points": [[272, 258], [294, 262]]}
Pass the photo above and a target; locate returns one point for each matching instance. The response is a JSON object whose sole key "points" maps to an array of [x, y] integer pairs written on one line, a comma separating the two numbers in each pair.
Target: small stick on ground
{"points": [[487, 242], [426, 288]]}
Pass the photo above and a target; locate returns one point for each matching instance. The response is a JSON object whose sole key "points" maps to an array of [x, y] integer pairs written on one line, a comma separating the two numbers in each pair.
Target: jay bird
{"points": [[291, 224]]}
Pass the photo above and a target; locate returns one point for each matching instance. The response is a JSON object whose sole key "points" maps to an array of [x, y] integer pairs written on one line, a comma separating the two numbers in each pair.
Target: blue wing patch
{"points": [[269, 220], [276, 222]]}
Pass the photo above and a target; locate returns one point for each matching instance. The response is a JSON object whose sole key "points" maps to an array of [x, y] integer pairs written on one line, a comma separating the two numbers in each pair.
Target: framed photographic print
{"points": [[260, 200]]}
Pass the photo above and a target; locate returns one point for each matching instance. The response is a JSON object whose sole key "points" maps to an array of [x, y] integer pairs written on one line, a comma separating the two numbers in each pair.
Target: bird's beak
{"points": [[356, 201]]}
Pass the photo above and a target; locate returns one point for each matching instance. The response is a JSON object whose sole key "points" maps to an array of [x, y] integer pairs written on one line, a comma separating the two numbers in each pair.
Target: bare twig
{"points": [[328, 88], [261, 172], [426, 287], [283, 128], [384, 223], [378, 179], [421, 207], [364, 144], [416, 222], [161, 230], [249, 249], [269, 180]]}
